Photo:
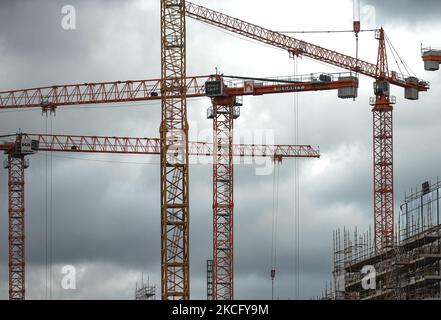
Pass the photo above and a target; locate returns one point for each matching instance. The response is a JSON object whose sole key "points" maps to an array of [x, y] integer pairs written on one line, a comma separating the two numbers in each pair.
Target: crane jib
{"points": [[297, 47]]}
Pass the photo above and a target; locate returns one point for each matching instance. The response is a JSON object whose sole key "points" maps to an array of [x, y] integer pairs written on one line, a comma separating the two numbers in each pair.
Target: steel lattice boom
{"points": [[150, 90], [151, 146], [295, 46], [95, 93]]}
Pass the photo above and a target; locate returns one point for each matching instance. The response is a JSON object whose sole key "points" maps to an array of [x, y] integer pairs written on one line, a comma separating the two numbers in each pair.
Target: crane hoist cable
{"points": [[274, 229], [408, 69], [48, 211], [43, 224], [51, 218], [296, 192]]}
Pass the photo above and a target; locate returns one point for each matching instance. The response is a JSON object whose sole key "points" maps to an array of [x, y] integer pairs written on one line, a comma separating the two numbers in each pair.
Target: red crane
{"points": [[151, 146], [16, 164], [382, 103], [27, 144], [226, 103], [225, 96], [95, 93]]}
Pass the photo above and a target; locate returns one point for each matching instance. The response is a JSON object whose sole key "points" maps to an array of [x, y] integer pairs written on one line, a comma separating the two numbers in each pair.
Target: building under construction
{"points": [[408, 270], [145, 291]]}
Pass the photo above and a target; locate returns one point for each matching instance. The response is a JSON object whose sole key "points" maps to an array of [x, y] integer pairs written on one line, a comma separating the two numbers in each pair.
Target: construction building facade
{"points": [[145, 291], [410, 269]]}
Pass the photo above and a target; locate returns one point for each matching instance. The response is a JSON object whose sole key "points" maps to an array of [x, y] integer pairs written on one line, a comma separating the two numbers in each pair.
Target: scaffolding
{"points": [[145, 291], [209, 279], [408, 270]]}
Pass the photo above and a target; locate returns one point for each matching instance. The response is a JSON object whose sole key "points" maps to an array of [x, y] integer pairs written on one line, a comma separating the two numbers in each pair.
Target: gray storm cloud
{"points": [[407, 11], [106, 212]]}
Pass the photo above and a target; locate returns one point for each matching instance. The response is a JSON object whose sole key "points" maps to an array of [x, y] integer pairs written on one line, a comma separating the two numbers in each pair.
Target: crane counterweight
{"points": [[431, 58]]}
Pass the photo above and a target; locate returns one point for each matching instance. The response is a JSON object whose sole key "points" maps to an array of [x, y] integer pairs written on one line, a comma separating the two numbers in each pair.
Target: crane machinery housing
{"points": [[16, 164]]}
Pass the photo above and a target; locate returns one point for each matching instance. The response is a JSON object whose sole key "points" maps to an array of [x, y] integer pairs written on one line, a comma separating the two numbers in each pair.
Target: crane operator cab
{"points": [[28, 146]]}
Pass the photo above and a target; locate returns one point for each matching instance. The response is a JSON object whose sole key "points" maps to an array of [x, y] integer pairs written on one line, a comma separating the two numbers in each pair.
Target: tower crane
{"points": [[226, 101], [24, 144], [224, 95], [382, 103]]}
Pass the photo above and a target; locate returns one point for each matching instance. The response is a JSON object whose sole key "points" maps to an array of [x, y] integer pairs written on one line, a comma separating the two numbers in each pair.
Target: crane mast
{"points": [[175, 257], [16, 165], [383, 153], [150, 90], [224, 113]]}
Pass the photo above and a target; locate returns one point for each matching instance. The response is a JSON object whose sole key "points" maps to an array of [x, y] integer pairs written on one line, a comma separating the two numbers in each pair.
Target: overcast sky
{"points": [[106, 218]]}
